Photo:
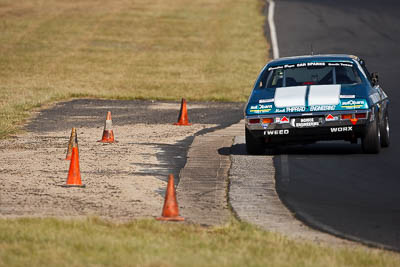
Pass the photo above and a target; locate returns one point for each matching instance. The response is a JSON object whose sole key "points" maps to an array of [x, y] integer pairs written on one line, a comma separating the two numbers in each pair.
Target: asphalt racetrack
{"points": [[333, 185]]}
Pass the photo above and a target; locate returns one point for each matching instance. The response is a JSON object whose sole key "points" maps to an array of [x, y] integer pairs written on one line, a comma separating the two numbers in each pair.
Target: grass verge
{"points": [[126, 49], [92, 242]]}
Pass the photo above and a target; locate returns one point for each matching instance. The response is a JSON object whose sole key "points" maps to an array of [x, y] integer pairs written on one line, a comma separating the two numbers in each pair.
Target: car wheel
{"points": [[371, 142], [254, 146], [385, 131]]}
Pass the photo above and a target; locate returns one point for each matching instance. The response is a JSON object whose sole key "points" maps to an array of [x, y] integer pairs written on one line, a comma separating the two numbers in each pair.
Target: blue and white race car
{"points": [[306, 99]]}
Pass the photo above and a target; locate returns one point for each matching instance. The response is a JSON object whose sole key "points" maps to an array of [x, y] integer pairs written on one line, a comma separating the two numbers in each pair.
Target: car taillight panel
{"points": [[361, 115], [254, 121], [347, 116], [356, 116], [268, 120]]}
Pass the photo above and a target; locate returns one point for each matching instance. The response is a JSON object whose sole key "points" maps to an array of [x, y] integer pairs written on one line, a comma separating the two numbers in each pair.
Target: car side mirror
{"points": [[374, 78]]}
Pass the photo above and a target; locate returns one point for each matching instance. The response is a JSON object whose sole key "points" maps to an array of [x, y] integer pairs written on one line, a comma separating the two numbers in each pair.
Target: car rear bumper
{"points": [[285, 136], [310, 127]]}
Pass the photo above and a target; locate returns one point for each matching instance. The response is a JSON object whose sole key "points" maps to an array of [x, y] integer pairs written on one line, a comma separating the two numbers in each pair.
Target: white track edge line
{"points": [[275, 52], [272, 29]]}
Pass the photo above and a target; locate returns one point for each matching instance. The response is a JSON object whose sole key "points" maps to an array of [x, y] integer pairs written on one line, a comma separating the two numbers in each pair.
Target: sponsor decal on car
{"points": [[341, 129], [306, 122], [352, 104], [259, 111], [322, 108], [345, 104], [284, 119], [261, 101], [265, 106], [276, 132], [311, 64], [347, 96], [275, 68], [340, 64], [295, 109], [330, 117]]}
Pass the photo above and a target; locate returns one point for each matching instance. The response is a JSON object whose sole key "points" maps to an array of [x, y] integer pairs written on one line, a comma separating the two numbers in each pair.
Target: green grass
{"points": [[137, 49], [92, 242]]}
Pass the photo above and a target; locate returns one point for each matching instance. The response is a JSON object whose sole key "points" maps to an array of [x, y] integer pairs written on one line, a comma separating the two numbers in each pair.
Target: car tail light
{"points": [[268, 120], [361, 115], [346, 116], [254, 120]]}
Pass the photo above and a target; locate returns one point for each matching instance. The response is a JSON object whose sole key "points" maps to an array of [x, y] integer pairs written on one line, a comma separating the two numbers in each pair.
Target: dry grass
{"points": [[126, 49], [39, 242]]}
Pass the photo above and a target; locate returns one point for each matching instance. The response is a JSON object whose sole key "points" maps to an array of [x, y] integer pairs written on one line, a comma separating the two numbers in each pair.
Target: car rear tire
{"points": [[254, 146], [371, 142], [385, 131]]}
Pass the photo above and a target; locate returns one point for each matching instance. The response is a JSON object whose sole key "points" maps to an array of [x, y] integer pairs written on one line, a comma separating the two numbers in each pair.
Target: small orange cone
{"points": [[72, 140], [170, 210], [74, 174], [183, 115], [108, 134]]}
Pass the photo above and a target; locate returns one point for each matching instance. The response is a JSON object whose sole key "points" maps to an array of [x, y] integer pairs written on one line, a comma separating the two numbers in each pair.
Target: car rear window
{"points": [[310, 73]]}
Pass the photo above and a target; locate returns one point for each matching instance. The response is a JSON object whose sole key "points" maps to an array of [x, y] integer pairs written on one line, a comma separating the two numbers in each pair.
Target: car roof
{"points": [[313, 58]]}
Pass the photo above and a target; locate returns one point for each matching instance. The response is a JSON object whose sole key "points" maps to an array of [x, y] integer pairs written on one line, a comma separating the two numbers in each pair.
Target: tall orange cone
{"points": [[170, 210], [74, 174], [183, 115], [108, 134], [72, 140]]}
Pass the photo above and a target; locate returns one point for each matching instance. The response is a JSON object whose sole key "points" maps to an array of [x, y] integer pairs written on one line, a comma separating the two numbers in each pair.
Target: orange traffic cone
{"points": [[72, 140], [108, 134], [74, 174], [170, 209], [183, 115]]}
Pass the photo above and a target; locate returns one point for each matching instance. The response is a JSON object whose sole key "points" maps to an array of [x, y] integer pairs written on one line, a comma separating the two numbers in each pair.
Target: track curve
{"points": [[332, 185]]}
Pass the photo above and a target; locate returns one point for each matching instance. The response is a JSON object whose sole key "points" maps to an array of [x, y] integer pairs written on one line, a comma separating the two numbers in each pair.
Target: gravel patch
{"points": [[123, 180]]}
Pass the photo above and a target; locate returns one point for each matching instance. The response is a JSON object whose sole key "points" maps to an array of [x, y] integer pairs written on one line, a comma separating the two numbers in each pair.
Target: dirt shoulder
{"points": [[124, 180]]}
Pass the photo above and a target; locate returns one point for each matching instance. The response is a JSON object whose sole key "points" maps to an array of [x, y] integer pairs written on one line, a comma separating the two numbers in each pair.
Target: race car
{"points": [[304, 99]]}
